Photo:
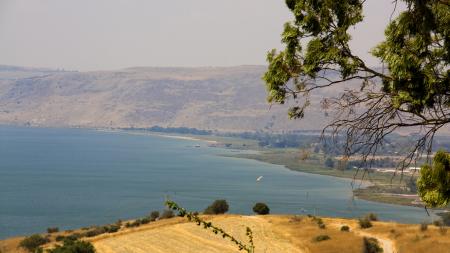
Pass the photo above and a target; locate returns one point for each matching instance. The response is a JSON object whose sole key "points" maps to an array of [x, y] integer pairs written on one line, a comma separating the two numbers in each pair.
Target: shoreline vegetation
{"points": [[385, 187]]}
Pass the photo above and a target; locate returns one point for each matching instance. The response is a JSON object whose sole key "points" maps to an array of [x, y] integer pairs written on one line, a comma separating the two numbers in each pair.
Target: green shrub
{"points": [[445, 218], [438, 223], [167, 214], [371, 245], [319, 222], [154, 215], [52, 230], [145, 220], [74, 236], [329, 162], [423, 226], [365, 223], [111, 228], [219, 206], [372, 217], [96, 231], [261, 208], [32, 243], [74, 247], [135, 223], [345, 228], [60, 238], [320, 238]]}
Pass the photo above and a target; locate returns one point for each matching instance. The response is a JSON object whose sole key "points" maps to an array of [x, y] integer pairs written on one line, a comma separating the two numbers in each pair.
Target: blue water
{"points": [[70, 178]]}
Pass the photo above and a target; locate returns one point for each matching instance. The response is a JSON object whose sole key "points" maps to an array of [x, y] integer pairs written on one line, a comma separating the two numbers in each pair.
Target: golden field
{"points": [[272, 233]]}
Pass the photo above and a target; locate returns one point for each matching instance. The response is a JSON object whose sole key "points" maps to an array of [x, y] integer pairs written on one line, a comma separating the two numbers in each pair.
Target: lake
{"points": [[70, 178]]}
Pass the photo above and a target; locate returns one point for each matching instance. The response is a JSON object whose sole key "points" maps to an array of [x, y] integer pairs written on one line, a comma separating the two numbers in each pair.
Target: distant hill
{"points": [[210, 98]]}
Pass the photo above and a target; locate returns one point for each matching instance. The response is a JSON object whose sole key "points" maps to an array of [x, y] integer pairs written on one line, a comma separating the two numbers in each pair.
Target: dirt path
{"points": [[385, 243]]}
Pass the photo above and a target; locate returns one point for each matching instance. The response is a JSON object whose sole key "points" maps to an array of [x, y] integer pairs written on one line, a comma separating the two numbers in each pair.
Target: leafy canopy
{"points": [[369, 103], [434, 181]]}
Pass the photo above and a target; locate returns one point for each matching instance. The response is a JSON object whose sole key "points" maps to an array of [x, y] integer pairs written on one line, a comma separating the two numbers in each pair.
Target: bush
{"points": [[438, 223], [96, 231], [329, 162], [167, 214], [261, 208], [32, 243], [60, 238], [365, 223], [423, 226], [319, 222], [133, 224], [52, 230], [154, 215], [145, 220], [345, 228], [219, 206], [372, 217], [320, 238], [74, 237], [371, 245], [112, 228], [74, 247], [445, 218]]}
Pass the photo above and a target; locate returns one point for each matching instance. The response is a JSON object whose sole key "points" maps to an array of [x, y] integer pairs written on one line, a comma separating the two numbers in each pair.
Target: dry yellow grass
{"points": [[272, 233]]}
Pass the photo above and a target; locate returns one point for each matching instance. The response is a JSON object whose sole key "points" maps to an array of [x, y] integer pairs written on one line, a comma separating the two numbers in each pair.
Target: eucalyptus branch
{"points": [[216, 230]]}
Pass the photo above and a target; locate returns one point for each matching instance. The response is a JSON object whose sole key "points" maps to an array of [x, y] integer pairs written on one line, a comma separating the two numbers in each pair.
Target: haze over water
{"points": [[70, 178]]}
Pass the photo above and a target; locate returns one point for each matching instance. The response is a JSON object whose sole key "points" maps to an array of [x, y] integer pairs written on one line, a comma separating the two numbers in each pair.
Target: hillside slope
{"points": [[274, 234], [226, 99]]}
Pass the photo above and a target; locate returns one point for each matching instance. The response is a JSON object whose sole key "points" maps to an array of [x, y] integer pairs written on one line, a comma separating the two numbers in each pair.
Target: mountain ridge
{"points": [[211, 98]]}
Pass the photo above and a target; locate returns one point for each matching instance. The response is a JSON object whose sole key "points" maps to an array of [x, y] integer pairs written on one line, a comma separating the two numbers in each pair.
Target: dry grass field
{"points": [[272, 233]]}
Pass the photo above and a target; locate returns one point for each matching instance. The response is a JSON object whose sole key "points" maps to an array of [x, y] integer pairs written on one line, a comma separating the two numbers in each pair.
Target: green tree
{"points": [[433, 184], [370, 103], [70, 246], [261, 208], [33, 242], [219, 206], [154, 215], [329, 162]]}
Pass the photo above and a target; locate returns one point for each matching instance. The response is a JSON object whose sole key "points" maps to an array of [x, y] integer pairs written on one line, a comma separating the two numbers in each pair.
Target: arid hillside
{"points": [[226, 99], [296, 234], [277, 234]]}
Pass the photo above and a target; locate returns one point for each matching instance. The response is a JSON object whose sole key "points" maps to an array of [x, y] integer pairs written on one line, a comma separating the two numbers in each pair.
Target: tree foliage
{"points": [[219, 206], [261, 208], [434, 182], [33, 242], [76, 246], [413, 91]]}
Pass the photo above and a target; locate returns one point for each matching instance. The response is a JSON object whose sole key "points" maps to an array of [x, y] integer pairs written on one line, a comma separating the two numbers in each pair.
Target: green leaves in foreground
{"points": [[434, 182], [216, 230]]}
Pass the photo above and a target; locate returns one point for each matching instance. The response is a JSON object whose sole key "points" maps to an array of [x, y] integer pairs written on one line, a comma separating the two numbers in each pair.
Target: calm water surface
{"points": [[71, 178]]}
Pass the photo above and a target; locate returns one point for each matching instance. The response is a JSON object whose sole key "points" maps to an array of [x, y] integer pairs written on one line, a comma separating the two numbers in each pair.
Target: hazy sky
{"points": [[113, 34]]}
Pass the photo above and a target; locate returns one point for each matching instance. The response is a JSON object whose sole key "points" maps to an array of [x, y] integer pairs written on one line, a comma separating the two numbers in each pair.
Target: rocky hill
{"points": [[212, 98]]}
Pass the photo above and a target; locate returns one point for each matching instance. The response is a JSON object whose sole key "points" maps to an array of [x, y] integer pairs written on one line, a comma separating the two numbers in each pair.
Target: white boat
{"points": [[259, 178]]}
